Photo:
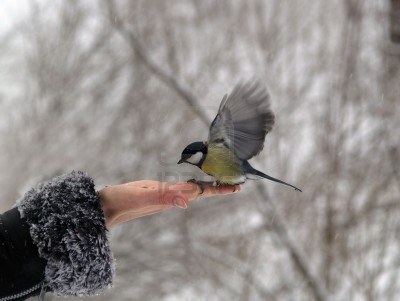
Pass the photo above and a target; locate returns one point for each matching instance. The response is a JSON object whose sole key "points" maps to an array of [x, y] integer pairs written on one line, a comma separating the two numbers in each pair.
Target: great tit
{"points": [[236, 134]]}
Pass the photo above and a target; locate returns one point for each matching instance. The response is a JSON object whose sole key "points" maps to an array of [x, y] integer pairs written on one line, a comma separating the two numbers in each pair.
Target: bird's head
{"points": [[194, 153]]}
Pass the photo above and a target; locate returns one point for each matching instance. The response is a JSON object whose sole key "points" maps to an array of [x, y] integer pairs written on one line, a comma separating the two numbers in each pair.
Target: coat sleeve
{"points": [[21, 268], [67, 225]]}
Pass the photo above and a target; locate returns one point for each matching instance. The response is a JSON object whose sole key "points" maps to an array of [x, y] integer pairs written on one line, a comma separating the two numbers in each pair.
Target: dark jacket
{"points": [[55, 240]]}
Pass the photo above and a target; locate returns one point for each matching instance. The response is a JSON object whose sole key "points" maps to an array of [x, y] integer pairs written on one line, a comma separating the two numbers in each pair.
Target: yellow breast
{"points": [[222, 164]]}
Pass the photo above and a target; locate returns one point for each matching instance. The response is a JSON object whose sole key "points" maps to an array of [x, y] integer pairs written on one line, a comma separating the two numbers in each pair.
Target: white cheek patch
{"points": [[195, 158]]}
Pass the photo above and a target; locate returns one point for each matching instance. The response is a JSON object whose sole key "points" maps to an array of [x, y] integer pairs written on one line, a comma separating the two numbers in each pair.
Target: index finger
{"points": [[193, 191]]}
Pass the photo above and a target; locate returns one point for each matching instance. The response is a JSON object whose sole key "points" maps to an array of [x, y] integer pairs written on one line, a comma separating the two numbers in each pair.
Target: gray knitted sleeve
{"points": [[68, 227]]}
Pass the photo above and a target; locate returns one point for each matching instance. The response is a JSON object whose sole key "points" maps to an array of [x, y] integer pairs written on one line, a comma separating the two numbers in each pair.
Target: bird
{"points": [[236, 135]]}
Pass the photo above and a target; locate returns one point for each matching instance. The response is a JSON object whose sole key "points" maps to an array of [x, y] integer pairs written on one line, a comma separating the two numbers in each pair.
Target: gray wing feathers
{"points": [[223, 101], [243, 120]]}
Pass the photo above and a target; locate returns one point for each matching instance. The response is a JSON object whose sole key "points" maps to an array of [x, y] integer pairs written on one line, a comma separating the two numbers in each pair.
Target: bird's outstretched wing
{"points": [[243, 120]]}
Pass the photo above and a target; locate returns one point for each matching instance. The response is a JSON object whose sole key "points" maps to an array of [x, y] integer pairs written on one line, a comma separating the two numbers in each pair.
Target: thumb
{"points": [[174, 198]]}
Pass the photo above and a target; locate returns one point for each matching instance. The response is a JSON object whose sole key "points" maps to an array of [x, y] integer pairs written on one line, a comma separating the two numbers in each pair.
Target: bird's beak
{"points": [[180, 161]]}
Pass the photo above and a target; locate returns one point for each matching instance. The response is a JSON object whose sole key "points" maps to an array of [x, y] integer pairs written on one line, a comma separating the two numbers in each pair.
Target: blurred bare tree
{"points": [[117, 88]]}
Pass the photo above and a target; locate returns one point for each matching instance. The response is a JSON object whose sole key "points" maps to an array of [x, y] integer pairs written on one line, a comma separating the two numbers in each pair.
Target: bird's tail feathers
{"points": [[254, 174]]}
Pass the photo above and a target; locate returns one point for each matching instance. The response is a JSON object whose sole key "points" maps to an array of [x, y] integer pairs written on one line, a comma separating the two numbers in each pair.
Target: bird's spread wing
{"points": [[243, 120]]}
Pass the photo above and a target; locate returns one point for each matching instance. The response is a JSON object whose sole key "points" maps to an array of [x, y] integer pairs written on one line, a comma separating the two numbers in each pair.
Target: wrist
{"points": [[107, 205]]}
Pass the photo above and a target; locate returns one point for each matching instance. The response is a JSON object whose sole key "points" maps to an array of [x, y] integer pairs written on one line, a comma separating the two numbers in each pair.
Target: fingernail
{"points": [[179, 202]]}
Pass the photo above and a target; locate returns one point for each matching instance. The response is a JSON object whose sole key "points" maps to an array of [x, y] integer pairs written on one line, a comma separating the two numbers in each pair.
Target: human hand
{"points": [[124, 202]]}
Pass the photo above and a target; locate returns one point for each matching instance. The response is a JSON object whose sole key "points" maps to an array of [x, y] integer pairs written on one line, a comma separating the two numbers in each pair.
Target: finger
{"points": [[193, 190], [210, 190], [174, 198], [175, 194], [189, 189]]}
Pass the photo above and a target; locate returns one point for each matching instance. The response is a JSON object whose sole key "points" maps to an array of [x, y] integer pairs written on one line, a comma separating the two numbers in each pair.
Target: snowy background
{"points": [[118, 88]]}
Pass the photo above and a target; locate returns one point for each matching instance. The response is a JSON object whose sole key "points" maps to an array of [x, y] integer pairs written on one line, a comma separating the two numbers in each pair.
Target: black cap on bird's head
{"points": [[194, 153]]}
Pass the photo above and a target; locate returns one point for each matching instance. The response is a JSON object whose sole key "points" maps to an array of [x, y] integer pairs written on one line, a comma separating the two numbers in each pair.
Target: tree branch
{"points": [[159, 72], [280, 229], [395, 21], [234, 264]]}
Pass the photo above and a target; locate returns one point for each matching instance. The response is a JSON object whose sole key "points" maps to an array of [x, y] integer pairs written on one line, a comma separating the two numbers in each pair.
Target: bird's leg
{"points": [[198, 183]]}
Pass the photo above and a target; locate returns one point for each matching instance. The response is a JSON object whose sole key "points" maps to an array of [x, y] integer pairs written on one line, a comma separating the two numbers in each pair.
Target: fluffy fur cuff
{"points": [[68, 227]]}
